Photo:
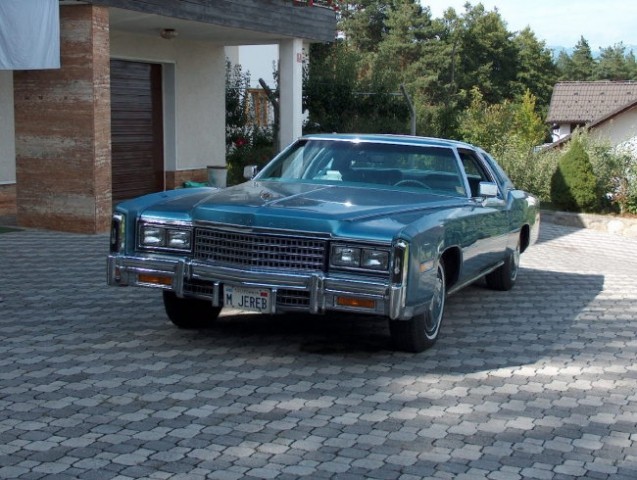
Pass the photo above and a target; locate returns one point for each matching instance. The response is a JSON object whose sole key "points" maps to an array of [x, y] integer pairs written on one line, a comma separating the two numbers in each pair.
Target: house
{"points": [[138, 103], [607, 109]]}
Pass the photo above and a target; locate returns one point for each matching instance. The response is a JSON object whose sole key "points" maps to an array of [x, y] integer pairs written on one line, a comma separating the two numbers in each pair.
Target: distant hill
{"points": [[595, 51]]}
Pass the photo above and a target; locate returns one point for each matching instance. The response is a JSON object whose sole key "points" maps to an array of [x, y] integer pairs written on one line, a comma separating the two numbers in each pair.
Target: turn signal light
{"points": [[356, 302], [156, 279]]}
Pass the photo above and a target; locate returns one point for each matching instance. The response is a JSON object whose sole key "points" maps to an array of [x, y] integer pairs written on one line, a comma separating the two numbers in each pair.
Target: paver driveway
{"points": [[539, 382]]}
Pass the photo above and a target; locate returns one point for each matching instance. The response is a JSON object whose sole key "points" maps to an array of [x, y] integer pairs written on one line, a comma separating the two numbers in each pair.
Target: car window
{"points": [[295, 162], [379, 164], [475, 171], [503, 179]]}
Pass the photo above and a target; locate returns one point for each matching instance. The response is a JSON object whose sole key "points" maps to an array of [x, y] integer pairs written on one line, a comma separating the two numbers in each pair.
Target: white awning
{"points": [[29, 34]]}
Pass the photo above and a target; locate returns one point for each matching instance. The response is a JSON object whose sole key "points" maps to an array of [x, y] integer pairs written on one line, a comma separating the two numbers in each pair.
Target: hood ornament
{"points": [[266, 195]]}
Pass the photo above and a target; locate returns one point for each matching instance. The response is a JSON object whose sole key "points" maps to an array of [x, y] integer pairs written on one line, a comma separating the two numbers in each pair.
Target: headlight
{"points": [[359, 257], [164, 237], [374, 259], [178, 239], [153, 236], [346, 256]]}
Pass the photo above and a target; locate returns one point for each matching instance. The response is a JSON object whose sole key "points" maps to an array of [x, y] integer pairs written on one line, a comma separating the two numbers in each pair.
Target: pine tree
{"points": [[614, 64], [574, 185], [578, 66], [537, 72]]}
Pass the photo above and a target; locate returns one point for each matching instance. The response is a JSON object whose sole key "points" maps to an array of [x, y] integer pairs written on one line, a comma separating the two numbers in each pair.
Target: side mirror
{"points": [[488, 190], [250, 171]]}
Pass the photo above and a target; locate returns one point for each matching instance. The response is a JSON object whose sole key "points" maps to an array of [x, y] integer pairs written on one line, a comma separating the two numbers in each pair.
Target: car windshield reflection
{"points": [[410, 167]]}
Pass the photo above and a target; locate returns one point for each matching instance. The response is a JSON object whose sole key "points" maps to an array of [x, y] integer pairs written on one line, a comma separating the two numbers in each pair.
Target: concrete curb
{"points": [[623, 226]]}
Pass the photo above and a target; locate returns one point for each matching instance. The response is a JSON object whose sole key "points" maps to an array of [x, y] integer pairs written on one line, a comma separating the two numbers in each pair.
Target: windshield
{"points": [[379, 164]]}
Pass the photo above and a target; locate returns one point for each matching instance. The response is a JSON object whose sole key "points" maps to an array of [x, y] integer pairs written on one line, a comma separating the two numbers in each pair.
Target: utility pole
{"points": [[412, 111]]}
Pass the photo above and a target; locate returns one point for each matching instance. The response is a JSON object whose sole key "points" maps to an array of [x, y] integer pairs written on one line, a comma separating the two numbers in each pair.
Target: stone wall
{"points": [[62, 123], [7, 200], [624, 226]]}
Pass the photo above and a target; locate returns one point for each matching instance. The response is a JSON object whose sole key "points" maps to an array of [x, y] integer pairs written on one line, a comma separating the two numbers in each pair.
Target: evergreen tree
{"points": [[408, 26], [364, 23], [580, 65], [329, 86], [614, 64], [574, 185], [488, 57], [537, 72]]}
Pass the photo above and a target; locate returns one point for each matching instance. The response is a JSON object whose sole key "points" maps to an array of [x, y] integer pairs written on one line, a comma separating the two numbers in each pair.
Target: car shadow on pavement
{"points": [[329, 334], [482, 329]]}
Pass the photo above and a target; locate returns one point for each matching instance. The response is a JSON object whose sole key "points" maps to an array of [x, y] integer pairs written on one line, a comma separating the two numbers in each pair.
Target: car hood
{"points": [[330, 209]]}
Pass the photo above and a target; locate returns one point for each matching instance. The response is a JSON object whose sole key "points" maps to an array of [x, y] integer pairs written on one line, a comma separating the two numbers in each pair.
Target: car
{"points": [[378, 225]]}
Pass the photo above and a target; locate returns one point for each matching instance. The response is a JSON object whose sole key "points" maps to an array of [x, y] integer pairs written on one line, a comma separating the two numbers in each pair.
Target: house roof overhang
{"points": [[231, 22], [586, 102]]}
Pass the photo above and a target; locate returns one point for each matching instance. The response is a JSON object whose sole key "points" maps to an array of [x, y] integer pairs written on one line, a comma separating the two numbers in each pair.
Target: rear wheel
{"points": [[421, 331], [504, 277], [189, 312]]}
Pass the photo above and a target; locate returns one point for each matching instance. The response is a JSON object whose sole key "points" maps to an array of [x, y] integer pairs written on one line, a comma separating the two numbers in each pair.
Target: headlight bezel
{"points": [[368, 258], [164, 237], [118, 233]]}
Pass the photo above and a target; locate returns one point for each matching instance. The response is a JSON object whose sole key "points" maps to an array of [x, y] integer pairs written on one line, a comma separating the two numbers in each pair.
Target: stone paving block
{"points": [[537, 382]]}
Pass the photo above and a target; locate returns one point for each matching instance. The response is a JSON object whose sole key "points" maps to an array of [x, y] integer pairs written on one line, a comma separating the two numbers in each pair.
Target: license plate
{"points": [[253, 299]]}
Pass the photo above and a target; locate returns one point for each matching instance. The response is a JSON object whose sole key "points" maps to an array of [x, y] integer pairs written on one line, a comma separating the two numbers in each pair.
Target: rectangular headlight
{"points": [[359, 257], [346, 256], [375, 259], [178, 239], [165, 237], [152, 236]]}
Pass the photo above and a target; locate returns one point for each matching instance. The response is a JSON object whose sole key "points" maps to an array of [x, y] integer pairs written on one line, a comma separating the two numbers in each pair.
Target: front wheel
{"points": [[503, 278], [421, 331], [189, 312]]}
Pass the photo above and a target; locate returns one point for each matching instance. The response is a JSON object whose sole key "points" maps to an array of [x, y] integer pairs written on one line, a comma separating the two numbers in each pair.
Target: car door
{"points": [[487, 220]]}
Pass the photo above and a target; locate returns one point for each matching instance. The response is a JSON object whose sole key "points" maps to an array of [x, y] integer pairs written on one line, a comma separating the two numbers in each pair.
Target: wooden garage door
{"points": [[136, 129]]}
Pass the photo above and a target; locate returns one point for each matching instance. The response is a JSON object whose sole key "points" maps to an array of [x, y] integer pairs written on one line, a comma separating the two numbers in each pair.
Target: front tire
{"points": [[189, 312], [504, 277], [421, 331]]}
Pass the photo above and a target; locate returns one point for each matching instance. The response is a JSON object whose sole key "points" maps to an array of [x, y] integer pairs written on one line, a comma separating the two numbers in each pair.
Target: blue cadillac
{"points": [[379, 225]]}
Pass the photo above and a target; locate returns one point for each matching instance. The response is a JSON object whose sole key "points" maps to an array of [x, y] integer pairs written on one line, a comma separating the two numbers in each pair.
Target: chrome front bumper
{"points": [[322, 290]]}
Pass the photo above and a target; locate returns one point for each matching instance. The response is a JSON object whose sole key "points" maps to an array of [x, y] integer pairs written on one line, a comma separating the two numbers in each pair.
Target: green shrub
{"points": [[624, 191], [530, 170], [574, 187]]}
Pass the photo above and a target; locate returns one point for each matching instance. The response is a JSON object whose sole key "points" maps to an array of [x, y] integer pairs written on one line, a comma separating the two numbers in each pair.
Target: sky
{"points": [[603, 23]]}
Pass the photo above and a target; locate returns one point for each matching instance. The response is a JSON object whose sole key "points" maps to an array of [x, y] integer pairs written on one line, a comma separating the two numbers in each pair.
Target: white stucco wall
{"points": [[619, 129], [561, 131], [7, 129], [194, 95]]}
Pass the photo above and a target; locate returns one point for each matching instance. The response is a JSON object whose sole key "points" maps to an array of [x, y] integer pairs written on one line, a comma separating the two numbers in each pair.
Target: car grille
{"points": [[251, 250], [293, 298], [198, 287]]}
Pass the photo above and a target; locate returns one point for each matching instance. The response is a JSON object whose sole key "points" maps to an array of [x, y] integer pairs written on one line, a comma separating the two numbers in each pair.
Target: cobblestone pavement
{"points": [[539, 382]]}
